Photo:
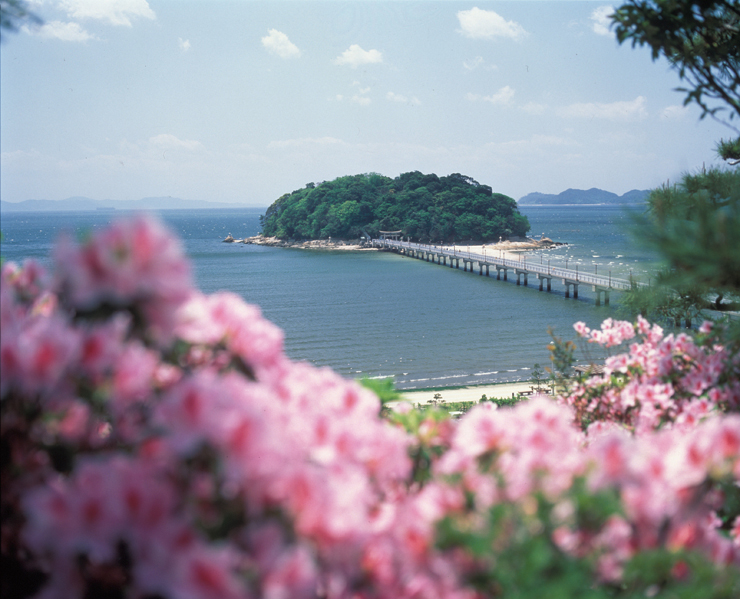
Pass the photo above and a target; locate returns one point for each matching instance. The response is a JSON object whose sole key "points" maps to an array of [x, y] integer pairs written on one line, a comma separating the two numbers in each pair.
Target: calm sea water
{"points": [[379, 314]]}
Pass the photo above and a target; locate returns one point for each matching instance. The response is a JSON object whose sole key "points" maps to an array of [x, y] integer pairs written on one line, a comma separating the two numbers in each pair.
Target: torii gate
{"points": [[394, 235]]}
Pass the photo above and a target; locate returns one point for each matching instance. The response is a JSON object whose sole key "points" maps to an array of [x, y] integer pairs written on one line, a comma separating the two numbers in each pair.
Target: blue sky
{"points": [[243, 101]]}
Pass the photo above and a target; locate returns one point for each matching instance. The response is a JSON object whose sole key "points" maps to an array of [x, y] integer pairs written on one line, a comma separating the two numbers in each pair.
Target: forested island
{"points": [[427, 208]]}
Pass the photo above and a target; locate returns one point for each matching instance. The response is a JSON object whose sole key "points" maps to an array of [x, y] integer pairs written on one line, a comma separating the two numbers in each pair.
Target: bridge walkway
{"points": [[571, 278]]}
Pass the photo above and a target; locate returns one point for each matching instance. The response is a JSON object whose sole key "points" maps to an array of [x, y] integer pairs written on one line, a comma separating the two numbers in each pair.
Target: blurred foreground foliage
{"points": [[695, 226], [14, 14], [701, 41], [383, 388], [695, 223]]}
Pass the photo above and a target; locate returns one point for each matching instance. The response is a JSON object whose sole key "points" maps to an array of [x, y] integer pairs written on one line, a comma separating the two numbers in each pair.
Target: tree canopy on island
{"points": [[423, 207]]}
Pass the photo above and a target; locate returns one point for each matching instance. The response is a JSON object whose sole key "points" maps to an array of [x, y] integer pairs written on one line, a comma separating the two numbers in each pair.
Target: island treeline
{"points": [[426, 208]]}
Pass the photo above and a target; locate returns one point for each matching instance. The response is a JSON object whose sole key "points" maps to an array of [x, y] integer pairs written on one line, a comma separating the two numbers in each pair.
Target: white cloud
{"points": [[674, 113], [502, 96], [358, 97], [184, 44], [355, 56], [535, 142], [401, 99], [305, 142], [487, 24], [116, 12], [276, 42], [168, 141], [614, 111], [534, 108], [601, 21], [67, 32], [473, 64], [477, 62]]}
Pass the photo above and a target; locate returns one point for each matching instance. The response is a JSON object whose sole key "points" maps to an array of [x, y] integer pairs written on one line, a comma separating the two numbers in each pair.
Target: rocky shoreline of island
{"points": [[311, 244], [515, 244]]}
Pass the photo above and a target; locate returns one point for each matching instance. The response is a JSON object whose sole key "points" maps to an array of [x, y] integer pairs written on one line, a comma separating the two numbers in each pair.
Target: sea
{"points": [[378, 314]]}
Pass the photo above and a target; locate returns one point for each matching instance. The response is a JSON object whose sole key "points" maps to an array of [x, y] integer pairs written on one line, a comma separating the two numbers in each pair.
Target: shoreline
{"points": [[313, 244], [465, 393], [514, 245]]}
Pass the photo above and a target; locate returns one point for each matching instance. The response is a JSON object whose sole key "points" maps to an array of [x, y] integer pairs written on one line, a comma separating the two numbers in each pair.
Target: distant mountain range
{"points": [[586, 196], [569, 196], [81, 203]]}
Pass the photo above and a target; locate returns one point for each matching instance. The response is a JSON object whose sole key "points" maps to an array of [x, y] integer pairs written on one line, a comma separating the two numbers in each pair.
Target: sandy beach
{"points": [[505, 249], [511, 250], [472, 393]]}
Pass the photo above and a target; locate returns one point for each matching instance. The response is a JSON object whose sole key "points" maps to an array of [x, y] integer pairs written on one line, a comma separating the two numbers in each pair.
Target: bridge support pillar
{"points": [[487, 266], [568, 285], [498, 272], [599, 290], [480, 268], [543, 278]]}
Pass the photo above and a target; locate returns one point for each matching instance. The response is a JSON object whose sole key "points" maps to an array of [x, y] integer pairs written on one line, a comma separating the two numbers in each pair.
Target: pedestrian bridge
{"points": [[521, 268]]}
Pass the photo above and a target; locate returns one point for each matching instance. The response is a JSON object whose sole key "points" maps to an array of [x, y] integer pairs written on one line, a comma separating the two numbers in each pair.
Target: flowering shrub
{"points": [[662, 380], [535, 495], [157, 442]]}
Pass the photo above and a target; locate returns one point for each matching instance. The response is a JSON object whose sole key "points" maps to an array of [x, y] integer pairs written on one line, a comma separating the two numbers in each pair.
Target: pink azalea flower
{"points": [[135, 263], [36, 353], [226, 470], [293, 575], [133, 375], [206, 573]]}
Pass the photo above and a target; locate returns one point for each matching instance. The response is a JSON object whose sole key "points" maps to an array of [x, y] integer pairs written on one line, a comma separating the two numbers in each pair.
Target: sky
{"points": [[244, 101]]}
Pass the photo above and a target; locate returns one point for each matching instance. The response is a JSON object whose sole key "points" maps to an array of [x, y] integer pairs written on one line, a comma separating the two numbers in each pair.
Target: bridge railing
{"points": [[567, 274]]}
